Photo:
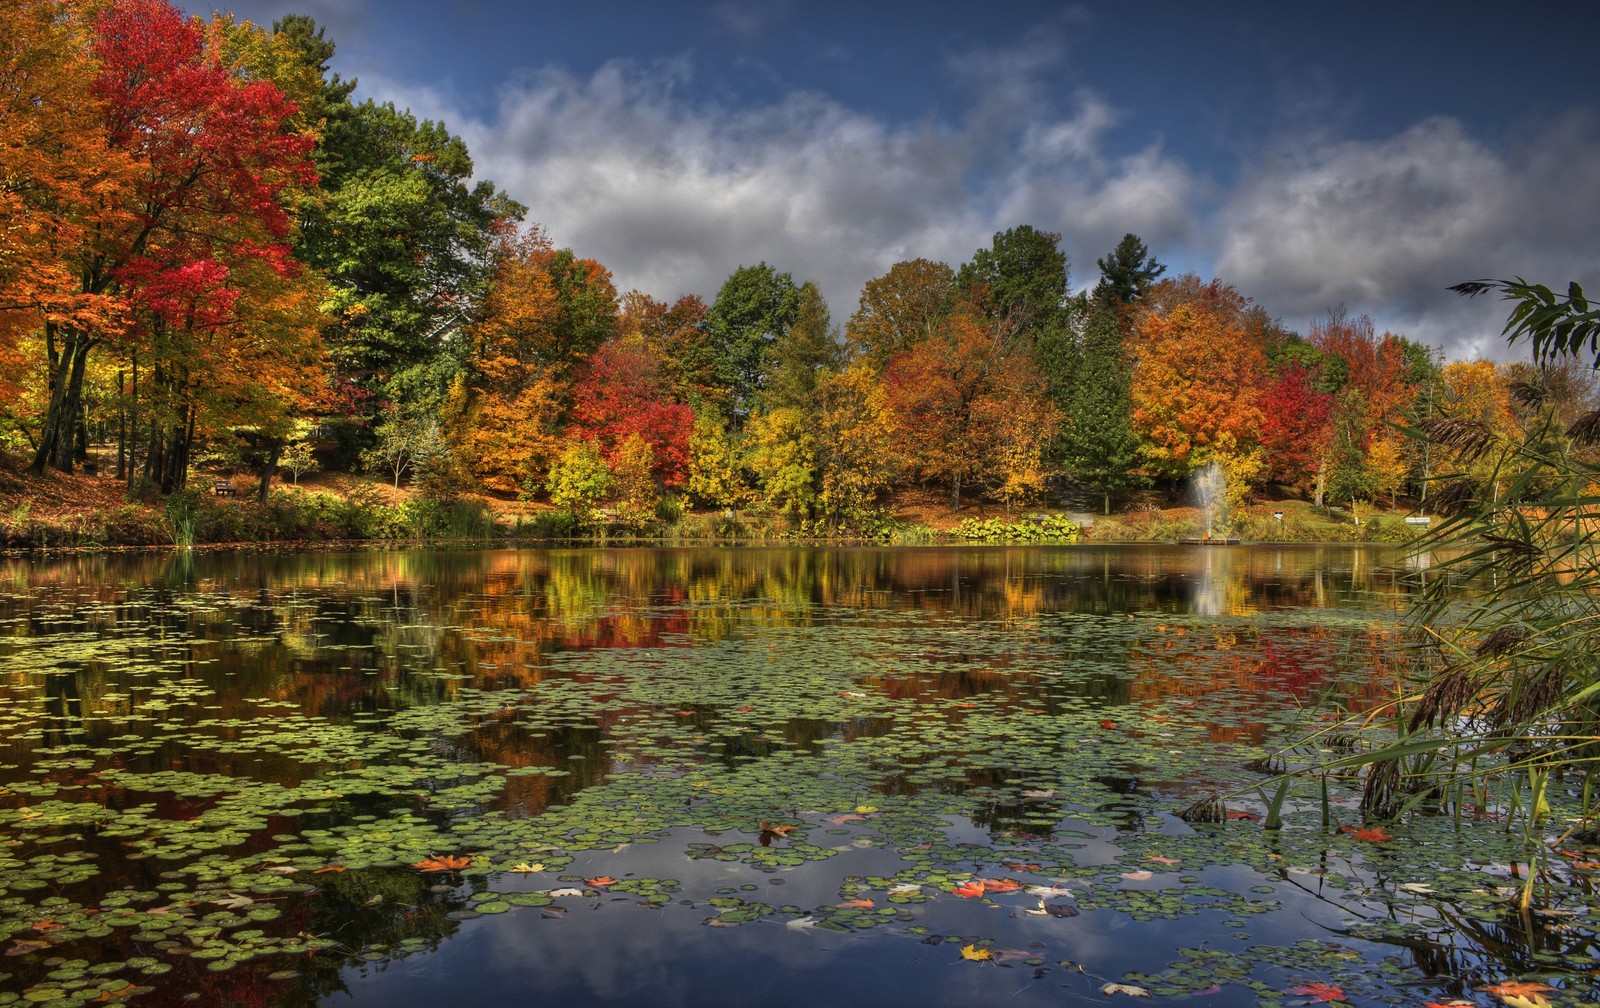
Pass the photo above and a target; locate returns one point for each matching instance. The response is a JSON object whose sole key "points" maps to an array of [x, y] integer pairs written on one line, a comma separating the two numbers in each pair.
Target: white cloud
{"points": [[673, 194], [1383, 227]]}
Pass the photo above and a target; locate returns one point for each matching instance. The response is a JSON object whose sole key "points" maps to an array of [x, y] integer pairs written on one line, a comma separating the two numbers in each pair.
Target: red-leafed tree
{"points": [[621, 391], [676, 335], [213, 159], [1295, 426]]}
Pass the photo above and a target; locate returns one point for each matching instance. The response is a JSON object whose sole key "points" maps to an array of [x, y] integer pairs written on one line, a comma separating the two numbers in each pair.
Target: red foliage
{"points": [[1295, 426], [620, 392]]}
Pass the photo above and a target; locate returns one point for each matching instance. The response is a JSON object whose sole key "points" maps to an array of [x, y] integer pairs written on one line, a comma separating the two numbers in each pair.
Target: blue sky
{"points": [[1360, 155]]}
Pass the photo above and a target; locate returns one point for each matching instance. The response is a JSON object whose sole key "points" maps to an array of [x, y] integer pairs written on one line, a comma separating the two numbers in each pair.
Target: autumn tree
{"points": [[1296, 417], [60, 180], [675, 334], [899, 309], [1194, 388], [857, 433], [972, 409], [215, 160], [620, 392]]}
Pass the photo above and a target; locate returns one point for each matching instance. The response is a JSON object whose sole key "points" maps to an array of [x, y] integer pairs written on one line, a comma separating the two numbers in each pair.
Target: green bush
{"points": [[1034, 528]]}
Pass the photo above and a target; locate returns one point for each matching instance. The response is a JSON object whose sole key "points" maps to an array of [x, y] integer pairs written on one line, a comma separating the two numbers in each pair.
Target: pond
{"points": [[921, 776]]}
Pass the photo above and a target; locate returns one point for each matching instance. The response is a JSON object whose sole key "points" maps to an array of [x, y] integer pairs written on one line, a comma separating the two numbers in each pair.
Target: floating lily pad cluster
{"points": [[287, 782]]}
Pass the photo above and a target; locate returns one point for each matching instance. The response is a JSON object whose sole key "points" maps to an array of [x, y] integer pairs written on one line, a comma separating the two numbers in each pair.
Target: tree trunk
{"points": [[122, 425], [56, 441], [1108, 502], [274, 453]]}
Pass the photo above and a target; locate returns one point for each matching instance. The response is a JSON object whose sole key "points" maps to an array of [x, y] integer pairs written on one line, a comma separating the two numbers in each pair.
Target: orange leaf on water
{"points": [[1374, 835], [449, 862], [856, 904], [329, 868], [1001, 885], [600, 881], [967, 890], [1319, 991], [782, 829]]}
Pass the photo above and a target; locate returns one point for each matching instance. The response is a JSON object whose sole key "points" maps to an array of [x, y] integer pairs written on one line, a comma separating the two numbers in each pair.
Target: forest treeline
{"points": [[210, 253]]}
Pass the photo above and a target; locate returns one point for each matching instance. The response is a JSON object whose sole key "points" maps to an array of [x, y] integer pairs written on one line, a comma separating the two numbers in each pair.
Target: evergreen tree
{"points": [[1098, 444], [1126, 273]]}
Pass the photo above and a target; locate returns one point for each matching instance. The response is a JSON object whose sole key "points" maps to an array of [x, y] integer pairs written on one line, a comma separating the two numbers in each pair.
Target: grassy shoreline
{"points": [[61, 512]]}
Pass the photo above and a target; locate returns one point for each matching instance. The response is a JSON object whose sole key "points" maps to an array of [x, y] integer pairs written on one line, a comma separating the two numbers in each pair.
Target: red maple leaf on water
{"points": [[1319, 991], [448, 862], [1374, 835], [967, 890]]}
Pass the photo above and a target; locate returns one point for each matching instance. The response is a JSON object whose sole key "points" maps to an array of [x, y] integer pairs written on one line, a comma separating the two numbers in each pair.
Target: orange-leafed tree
{"points": [[1195, 381], [972, 410], [215, 160], [505, 420], [59, 180], [676, 335], [899, 309]]}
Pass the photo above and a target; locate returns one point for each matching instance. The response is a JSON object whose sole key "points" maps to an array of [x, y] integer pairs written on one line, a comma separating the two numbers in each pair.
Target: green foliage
{"points": [[580, 479], [753, 310], [1126, 273], [1556, 325], [1020, 280], [1098, 444], [1033, 528]]}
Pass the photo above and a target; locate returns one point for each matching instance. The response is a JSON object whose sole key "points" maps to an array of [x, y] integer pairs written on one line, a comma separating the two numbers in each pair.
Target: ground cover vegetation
{"points": [[215, 265]]}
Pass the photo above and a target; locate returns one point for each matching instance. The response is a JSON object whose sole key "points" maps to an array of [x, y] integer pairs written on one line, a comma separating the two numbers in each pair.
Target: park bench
{"points": [[222, 488]]}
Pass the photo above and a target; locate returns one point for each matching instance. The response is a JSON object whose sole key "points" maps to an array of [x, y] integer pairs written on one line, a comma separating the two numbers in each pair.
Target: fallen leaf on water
{"points": [[329, 868], [782, 829], [1001, 885], [449, 862], [1158, 859], [975, 953], [866, 809], [233, 901], [524, 868], [600, 881], [840, 820], [281, 869], [1318, 991], [801, 923], [1373, 835], [23, 947], [1108, 725], [1049, 891], [904, 889], [569, 891], [1130, 989], [1137, 876], [45, 925], [1241, 814], [856, 904], [1521, 993], [967, 890]]}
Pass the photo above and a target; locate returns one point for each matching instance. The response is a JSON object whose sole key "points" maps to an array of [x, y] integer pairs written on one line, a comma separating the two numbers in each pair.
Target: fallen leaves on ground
{"points": [[1316, 990], [449, 862]]}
